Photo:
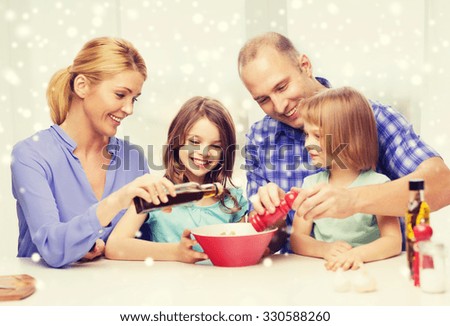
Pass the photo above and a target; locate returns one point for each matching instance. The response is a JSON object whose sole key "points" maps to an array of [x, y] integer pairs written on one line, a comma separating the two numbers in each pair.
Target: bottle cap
{"points": [[416, 184], [422, 232]]}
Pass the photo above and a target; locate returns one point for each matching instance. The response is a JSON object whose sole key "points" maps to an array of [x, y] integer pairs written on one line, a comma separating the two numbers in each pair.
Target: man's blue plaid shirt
{"points": [[275, 152]]}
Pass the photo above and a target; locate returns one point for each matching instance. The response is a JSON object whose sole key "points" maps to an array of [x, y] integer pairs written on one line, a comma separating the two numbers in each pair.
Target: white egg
{"points": [[364, 282], [341, 281]]}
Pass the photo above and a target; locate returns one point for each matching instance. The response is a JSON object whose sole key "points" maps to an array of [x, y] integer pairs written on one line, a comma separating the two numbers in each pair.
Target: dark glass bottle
{"points": [[418, 213], [186, 192], [267, 220]]}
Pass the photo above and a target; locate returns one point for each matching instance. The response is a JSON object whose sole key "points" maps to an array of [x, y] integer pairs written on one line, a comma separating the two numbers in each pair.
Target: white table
{"points": [[284, 280]]}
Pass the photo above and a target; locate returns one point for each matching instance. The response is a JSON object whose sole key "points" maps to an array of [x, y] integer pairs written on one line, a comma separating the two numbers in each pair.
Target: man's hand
{"points": [[324, 200], [267, 198]]}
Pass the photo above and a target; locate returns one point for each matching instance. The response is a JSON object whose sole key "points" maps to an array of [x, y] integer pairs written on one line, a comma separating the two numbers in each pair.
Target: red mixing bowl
{"points": [[233, 244]]}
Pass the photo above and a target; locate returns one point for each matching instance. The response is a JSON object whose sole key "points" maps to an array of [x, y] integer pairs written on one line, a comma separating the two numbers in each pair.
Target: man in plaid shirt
{"points": [[278, 77]]}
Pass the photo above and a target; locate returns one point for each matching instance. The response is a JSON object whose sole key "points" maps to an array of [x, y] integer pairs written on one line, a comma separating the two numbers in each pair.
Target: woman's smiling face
{"points": [[107, 103]]}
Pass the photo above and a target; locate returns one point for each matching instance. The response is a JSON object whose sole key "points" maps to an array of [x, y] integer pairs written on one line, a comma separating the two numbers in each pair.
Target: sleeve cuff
{"points": [[93, 220]]}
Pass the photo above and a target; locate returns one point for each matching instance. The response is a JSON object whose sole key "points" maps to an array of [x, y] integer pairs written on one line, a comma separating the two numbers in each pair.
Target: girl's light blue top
{"points": [[357, 229], [168, 227]]}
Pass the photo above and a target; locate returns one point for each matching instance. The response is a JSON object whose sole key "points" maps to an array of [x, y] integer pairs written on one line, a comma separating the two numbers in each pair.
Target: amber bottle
{"points": [[185, 193], [418, 213]]}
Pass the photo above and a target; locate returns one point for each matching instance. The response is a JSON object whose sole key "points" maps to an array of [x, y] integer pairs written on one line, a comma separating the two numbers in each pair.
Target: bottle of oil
{"points": [[418, 213], [186, 192], [267, 220]]}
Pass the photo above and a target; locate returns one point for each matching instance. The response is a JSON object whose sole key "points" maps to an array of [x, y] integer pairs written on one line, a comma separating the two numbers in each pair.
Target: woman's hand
{"points": [[149, 187], [185, 253]]}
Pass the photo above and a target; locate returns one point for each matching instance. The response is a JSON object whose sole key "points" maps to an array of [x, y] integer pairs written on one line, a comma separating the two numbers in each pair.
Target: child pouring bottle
{"points": [[200, 148]]}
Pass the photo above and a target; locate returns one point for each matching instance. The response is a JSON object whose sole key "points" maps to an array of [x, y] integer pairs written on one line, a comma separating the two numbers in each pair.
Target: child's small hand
{"points": [[335, 249], [185, 252], [346, 260]]}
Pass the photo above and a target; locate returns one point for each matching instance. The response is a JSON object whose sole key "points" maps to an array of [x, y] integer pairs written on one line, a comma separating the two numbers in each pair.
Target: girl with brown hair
{"points": [[200, 148]]}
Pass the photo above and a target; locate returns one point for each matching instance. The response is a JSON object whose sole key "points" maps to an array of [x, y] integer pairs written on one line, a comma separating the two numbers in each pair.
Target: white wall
{"points": [[394, 51]]}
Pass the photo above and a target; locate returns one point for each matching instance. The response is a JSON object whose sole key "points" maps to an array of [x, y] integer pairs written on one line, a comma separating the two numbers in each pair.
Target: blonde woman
{"points": [[70, 181], [341, 136]]}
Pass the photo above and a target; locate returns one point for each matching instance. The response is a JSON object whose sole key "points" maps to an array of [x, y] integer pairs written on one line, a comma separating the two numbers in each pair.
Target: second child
{"points": [[341, 136]]}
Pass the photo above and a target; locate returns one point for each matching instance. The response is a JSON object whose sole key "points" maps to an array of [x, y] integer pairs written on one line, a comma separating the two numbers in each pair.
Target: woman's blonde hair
{"points": [[347, 116], [99, 59]]}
